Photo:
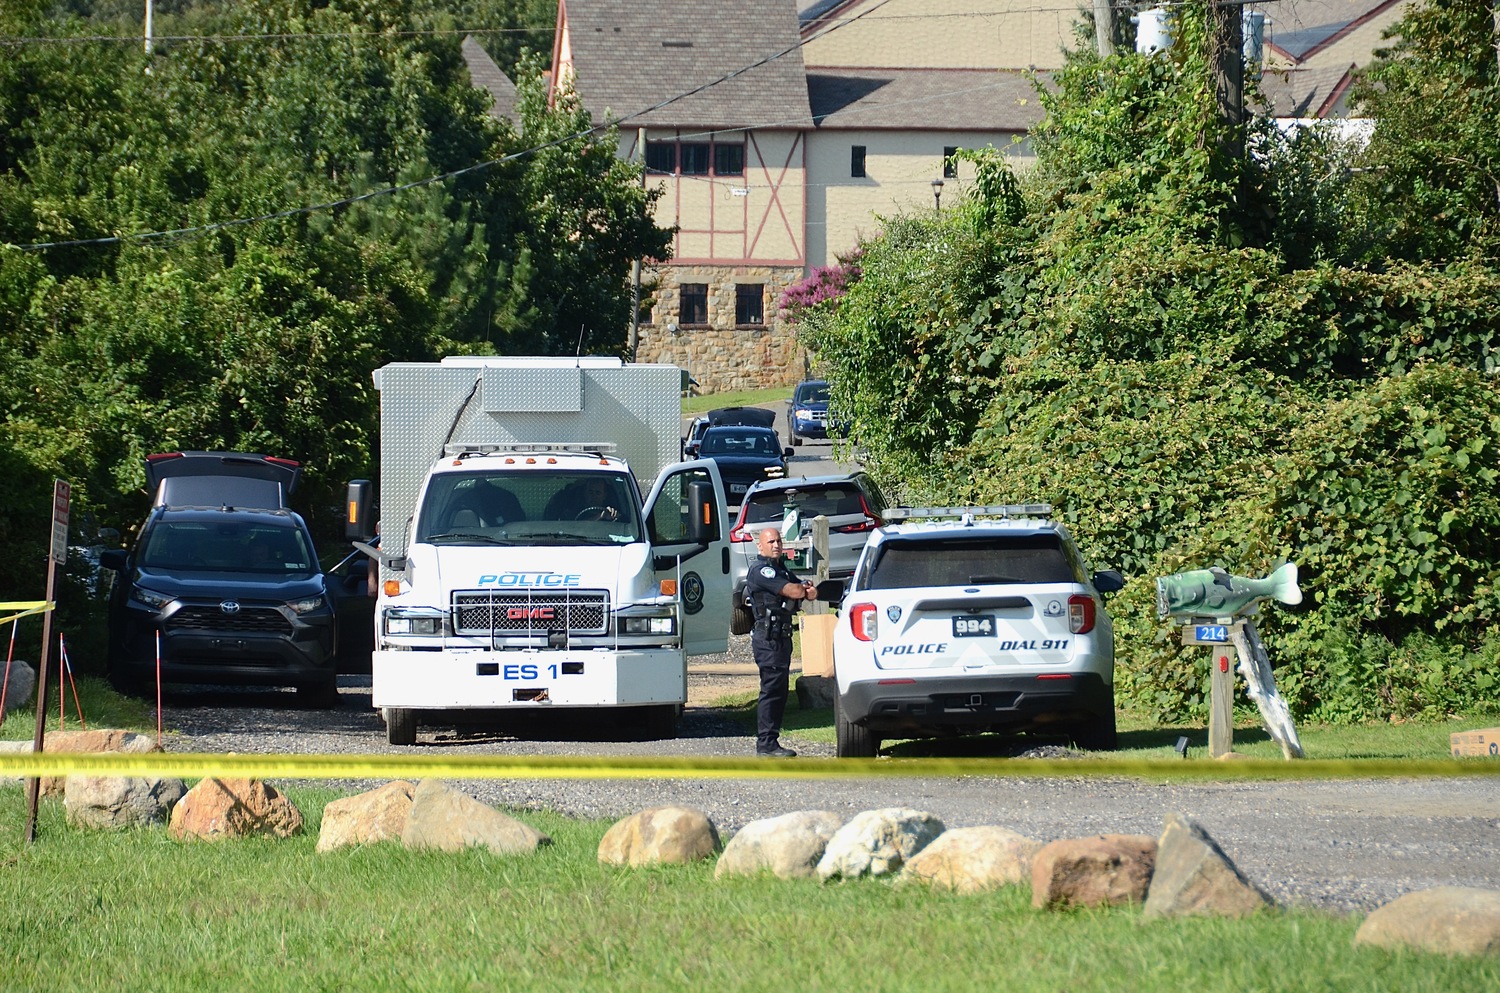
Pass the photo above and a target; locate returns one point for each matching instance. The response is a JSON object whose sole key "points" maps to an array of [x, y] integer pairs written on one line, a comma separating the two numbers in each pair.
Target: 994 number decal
{"points": [[973, 626]]}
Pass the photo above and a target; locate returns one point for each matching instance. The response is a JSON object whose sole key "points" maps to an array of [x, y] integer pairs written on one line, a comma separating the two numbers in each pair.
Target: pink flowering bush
{"points": [[824, 283]]}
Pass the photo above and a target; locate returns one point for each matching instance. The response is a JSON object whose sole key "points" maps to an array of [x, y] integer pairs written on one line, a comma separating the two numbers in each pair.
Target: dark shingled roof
{"points": [[923, 99], [629, 55], [485, 75], [1304, 92]]}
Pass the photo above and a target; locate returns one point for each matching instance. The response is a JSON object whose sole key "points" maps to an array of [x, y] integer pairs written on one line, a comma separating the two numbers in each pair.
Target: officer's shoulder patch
{"points": [[768, 572]]}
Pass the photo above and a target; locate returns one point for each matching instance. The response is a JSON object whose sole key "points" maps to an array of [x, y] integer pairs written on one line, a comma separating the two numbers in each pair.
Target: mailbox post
{"points": [[1217, 634]]}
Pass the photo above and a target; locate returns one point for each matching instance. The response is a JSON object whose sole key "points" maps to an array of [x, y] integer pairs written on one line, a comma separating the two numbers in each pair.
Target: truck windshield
{"points": [[530, 508]]}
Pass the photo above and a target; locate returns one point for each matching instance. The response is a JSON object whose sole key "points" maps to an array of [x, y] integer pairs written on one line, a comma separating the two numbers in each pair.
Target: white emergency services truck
{"points": [[519, 567]]}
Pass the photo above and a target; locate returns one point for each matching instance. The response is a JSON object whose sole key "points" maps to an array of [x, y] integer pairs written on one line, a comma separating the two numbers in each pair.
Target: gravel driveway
{"points": [[1340, 845]]}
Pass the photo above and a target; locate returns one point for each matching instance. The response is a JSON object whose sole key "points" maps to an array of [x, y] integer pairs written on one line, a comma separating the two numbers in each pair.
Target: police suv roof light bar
{"points": [[895, 515]]}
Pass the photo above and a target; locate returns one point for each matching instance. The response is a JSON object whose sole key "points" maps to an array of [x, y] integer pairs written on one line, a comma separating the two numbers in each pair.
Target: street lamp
{"points": [[937, 195]]}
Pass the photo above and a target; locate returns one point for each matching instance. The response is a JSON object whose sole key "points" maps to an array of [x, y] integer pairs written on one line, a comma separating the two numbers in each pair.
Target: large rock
{"points": [[97, 740], [1193, 877], [1452, 920], [660, 834], [444, 819], [109, 802], [788, 846], [878, 842], [233, 808], [378, 815], [972, 859], [20, 683], [1104, 870]]}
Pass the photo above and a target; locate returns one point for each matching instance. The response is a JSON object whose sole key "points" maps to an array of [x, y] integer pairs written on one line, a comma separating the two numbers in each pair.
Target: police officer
{"points": [[775, 595]]}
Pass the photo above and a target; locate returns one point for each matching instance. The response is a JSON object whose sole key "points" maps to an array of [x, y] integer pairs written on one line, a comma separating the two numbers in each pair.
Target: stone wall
{"points": [[722, 355]]}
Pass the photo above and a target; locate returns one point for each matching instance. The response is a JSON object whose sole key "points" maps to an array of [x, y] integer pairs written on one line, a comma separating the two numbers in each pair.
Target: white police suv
{"points": [[961, 620]]}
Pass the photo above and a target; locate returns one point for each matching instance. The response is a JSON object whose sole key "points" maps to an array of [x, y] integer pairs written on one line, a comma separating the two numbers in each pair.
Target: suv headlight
{"points": [[307, 606], [417, 622], [150, 598]]}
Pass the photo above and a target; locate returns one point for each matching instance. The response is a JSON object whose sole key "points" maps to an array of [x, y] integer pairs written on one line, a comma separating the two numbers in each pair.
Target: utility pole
{"points": [[1227, 38], [1104, 28]]}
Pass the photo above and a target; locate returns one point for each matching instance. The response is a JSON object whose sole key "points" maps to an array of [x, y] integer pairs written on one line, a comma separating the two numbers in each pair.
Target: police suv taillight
{"points": [[864, 621], [1081, 613]]}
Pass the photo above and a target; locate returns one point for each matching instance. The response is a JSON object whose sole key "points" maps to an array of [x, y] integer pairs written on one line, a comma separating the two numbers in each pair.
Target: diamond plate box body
{"points": [[426, 407]]}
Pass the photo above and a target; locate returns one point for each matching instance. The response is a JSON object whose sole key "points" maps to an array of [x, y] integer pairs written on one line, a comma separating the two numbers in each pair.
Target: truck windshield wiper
{"points": [[466, 536]]}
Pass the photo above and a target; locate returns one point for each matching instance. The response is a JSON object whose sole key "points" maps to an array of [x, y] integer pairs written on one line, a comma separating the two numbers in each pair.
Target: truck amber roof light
{"points": [[530, 460], [552, 461], [392, 587]]}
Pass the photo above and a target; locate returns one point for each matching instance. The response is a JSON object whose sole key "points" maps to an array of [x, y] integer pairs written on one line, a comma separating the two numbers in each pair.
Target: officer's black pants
{"points": [[773, 656]]}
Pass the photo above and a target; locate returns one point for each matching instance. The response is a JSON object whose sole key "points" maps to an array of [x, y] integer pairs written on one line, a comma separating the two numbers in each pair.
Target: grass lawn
{"points": [[89, 911], [694, 405]]}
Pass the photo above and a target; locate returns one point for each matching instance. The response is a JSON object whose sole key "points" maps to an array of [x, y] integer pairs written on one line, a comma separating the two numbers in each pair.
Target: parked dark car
{"points": [[226, 588], [745, 456]]}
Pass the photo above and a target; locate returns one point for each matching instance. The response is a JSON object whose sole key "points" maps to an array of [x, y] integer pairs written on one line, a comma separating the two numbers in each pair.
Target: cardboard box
{"points": [[1485, 742], [817, 644]]}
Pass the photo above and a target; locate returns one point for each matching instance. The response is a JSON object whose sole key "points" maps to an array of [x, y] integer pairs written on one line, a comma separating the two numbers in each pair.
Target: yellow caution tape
{"points": [[242, 766], [26, 608]]}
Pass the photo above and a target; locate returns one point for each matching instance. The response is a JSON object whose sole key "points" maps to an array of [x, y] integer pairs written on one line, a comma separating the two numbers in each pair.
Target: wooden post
{"points": [[1217, 634], [1221, 701]]}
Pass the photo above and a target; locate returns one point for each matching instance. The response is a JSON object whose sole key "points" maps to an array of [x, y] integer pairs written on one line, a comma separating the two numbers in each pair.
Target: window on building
{"points": [[950, 167], [694, 309], [749, 303], [729, 160], [661, 157], [857, 161], [692, 158]]}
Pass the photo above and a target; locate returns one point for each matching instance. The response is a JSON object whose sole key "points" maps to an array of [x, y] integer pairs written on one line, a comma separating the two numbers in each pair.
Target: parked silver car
{"points": [[852, 503]]}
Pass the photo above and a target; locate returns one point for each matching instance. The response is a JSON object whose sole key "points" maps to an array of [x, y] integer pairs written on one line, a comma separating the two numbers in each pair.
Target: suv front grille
{"points": [[579, 612], [255, 620]]}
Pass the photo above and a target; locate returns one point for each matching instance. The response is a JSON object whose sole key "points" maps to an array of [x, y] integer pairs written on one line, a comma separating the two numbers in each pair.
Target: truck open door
{"points": [[686, 521]]}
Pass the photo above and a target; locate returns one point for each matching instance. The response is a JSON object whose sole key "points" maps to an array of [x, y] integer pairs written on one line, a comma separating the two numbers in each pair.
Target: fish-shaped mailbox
{"points": [[1216, 593]]}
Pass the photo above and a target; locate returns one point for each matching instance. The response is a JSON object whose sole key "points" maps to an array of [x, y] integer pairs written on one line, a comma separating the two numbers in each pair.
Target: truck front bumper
{"points": [[480, 679]]}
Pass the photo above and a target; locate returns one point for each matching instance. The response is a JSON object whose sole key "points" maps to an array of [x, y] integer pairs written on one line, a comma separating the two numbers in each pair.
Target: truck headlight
{"points": [[648, 625], [412, 622]]}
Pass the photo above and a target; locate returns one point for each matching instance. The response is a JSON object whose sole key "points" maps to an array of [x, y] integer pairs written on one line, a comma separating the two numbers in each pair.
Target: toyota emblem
{"points": [[230, 606]]}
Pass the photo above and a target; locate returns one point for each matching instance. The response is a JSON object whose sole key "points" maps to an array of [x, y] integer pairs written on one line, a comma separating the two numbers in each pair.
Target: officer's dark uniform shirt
{"points": [[773, 613]]}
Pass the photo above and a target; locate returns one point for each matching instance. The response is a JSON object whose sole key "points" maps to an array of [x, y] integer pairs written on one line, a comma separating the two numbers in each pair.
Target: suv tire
{"points": [[1097, 735], [854, 741], [740, 619]]}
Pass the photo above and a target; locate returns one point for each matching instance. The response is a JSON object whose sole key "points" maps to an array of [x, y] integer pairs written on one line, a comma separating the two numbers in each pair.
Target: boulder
{"points": [[444, 819], [1451, 920], [108, 802], [378, 815], [972, 859], [788, 846], [660, 834], [97, 740], [1193, 877], [878, 842], [20, 682], [814, 692], [233, 808], [1104, 870]]}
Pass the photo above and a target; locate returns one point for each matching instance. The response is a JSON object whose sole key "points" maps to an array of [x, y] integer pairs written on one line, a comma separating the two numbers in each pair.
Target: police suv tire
{"points": [[854, 741], [400, 726], [740, 619], [1098, 735]]}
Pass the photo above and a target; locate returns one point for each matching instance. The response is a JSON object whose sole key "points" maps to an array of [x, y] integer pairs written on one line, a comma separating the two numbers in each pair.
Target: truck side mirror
{"points": [[358, 525], [703, 512]]}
